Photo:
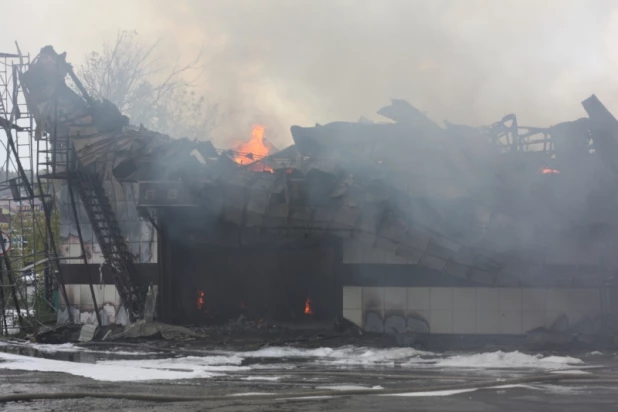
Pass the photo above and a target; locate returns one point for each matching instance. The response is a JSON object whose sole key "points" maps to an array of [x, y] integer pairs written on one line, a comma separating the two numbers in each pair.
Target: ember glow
{"points": [[548, 171], [308, 310], [253, 150], [200, 299]]}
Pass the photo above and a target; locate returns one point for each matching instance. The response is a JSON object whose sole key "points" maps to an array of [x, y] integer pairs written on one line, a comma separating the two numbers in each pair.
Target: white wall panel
{"points": [[418, 299], [464, 321], [534, 299], [354, 315], [441, 298], [395, 299], [476, 310], [352, 297], [441, 321]]}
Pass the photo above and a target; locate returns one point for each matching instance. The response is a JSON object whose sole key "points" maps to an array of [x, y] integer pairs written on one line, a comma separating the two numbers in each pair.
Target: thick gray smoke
{"points": [[468, 61], [281, 62]]}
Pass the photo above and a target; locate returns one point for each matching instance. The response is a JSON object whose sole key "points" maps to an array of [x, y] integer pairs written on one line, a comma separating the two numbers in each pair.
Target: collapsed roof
{"points": [[488, 204]]}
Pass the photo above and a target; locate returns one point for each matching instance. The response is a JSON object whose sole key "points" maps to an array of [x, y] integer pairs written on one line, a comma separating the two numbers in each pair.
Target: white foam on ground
{"points": [[572, 372], [346, 355], [594, 353], [262, 378], [501, 360], [226, 361], [189, 363], [456, 391], [251, 393], [284, 366], [347, 387], [557, 389], [67, 348], [434, 393], [309, 397], [560, 389], [110, 373], [408, 357]]}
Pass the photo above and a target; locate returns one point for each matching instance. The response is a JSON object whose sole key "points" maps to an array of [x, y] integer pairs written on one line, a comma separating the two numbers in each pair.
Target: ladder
{"points": [[109, 236]]}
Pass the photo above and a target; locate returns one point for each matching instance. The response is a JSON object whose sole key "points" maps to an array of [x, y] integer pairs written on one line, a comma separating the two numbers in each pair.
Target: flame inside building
{"points": [[549, 171], [200, 299], [308, 310], [253, 151]]}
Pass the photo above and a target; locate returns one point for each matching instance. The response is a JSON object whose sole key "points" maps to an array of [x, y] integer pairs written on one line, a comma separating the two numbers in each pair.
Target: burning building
{"points": [[403, 226]]}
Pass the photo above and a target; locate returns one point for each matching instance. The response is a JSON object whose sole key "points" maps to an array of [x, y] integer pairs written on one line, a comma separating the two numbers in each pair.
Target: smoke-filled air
{"points": [[279, 62]]}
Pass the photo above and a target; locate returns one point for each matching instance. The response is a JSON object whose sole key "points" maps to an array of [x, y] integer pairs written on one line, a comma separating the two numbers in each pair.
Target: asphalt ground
{"points": [[299, 377]]}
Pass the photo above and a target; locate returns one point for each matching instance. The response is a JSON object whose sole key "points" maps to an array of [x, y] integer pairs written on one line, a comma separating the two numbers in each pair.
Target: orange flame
{"points": [[200, 299], [253, 150], [308, 310], [548, 171]]}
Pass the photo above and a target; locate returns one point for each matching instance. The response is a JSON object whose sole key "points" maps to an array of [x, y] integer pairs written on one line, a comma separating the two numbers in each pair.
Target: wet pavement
{"points": [[284, 370]]}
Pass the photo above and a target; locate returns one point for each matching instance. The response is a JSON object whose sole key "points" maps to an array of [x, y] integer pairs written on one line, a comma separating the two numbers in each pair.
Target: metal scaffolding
{"points": [[27, 260]]}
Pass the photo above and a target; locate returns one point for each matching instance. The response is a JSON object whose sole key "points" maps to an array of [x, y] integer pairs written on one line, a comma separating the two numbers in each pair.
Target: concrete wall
{"points": [[472, 310]]}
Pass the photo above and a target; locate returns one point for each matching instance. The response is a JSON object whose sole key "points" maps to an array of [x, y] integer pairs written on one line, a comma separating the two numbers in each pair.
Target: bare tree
{"points": [[129, 74]]}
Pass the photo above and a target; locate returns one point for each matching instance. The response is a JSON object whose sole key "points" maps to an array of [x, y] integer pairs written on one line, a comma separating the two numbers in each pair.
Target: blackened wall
{"points": [[80, 273], [271, 281]]}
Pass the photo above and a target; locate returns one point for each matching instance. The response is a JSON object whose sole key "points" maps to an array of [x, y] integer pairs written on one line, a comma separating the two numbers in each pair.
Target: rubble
{"points": [[88, 332], [143, 329]]}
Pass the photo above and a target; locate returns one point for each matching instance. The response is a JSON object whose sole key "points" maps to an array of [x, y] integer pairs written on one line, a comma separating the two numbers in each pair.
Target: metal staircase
{"points": [[110, 238], [57, 159]]}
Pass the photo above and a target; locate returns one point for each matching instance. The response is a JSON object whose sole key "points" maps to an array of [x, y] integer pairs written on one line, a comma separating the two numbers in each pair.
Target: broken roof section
{"points": [[492, 204], [477, 203]]}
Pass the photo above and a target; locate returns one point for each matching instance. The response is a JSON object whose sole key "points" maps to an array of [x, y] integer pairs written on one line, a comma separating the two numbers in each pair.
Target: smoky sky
{"points": [[284, 62]]}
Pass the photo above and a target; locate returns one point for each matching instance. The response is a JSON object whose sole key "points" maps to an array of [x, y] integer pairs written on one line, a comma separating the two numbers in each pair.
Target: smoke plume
{"points": [[279, 62]]}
